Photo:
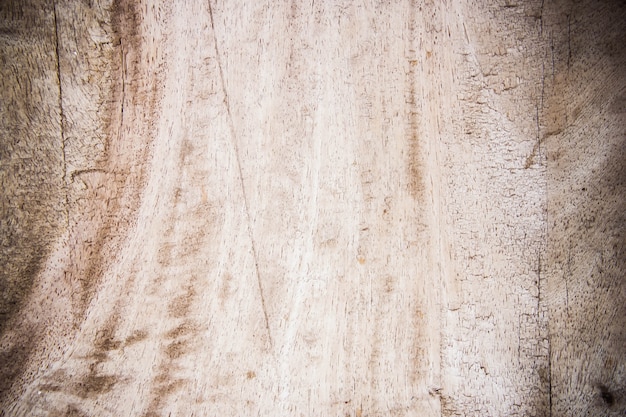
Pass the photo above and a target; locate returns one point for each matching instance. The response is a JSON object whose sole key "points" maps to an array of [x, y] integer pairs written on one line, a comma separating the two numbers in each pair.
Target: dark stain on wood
{"points": [[95, 384], [71, 410], [414, 163], [105, 338], [181, 330], [14, 359], [166, 386], [135, 337], [179, 345], [606, 395], [176, 349], [179, 307]]}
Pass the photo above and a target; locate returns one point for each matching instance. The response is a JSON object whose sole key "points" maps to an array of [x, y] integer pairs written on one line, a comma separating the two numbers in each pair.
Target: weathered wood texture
{"points": [[493, 186], [314, 208], [72, 170], [32, 207], [584, 132]]}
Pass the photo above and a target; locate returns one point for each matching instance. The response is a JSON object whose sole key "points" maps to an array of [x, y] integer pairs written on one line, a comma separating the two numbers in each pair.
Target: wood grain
{"points": [[313, 208]]}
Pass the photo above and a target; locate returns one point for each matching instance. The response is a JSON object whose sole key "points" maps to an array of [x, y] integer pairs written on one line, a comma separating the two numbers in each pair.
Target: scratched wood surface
{"points": [[314, 208]]}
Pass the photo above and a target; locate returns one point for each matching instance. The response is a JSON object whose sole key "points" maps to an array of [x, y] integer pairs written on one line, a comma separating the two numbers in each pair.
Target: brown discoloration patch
{"points": [[186, 150], [530, 159], [182, 330], [225, 289], [93, 385], [70, 410], [412, 125], [179, 307], [164, 254], [415, 180], [390, 283], [105, 340], [180, 339], [50, 387], [165, 388], [176, 349], [108, 343], [137, 336], [168, 387], [14, 359]]}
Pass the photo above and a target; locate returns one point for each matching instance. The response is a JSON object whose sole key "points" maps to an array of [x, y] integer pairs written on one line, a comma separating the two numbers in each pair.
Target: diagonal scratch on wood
{"points": [[243, 187]]}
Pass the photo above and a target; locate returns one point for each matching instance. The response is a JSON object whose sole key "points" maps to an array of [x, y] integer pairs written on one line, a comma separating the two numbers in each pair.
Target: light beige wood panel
{"points": [[334, 163], [296, 192], [495, 347]]}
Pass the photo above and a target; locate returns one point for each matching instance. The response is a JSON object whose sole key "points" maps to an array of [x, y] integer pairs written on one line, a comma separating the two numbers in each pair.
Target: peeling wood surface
{"points": [[315, 208]]}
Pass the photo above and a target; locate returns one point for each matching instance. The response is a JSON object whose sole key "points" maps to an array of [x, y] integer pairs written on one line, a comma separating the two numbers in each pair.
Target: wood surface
{"points": [[313, 208]]}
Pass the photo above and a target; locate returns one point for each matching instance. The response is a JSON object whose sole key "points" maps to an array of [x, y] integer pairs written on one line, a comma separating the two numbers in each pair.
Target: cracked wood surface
{"points": [[313, 208]]}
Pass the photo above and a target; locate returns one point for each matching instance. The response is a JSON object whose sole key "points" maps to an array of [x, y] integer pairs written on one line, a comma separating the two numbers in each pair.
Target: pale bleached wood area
{"points": [[313, 208]]}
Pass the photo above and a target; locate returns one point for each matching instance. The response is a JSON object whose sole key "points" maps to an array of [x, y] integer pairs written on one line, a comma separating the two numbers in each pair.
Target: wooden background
{"points": [[313, 208]]}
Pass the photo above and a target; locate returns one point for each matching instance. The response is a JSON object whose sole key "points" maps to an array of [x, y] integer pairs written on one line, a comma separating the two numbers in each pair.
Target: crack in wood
{"points": [[123, 98], [61, 120], [242, 183]]}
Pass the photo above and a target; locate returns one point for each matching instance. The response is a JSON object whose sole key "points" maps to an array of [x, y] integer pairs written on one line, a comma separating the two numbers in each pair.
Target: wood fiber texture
{"points": [[313, 208], [32, 206], [585, 142]]}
